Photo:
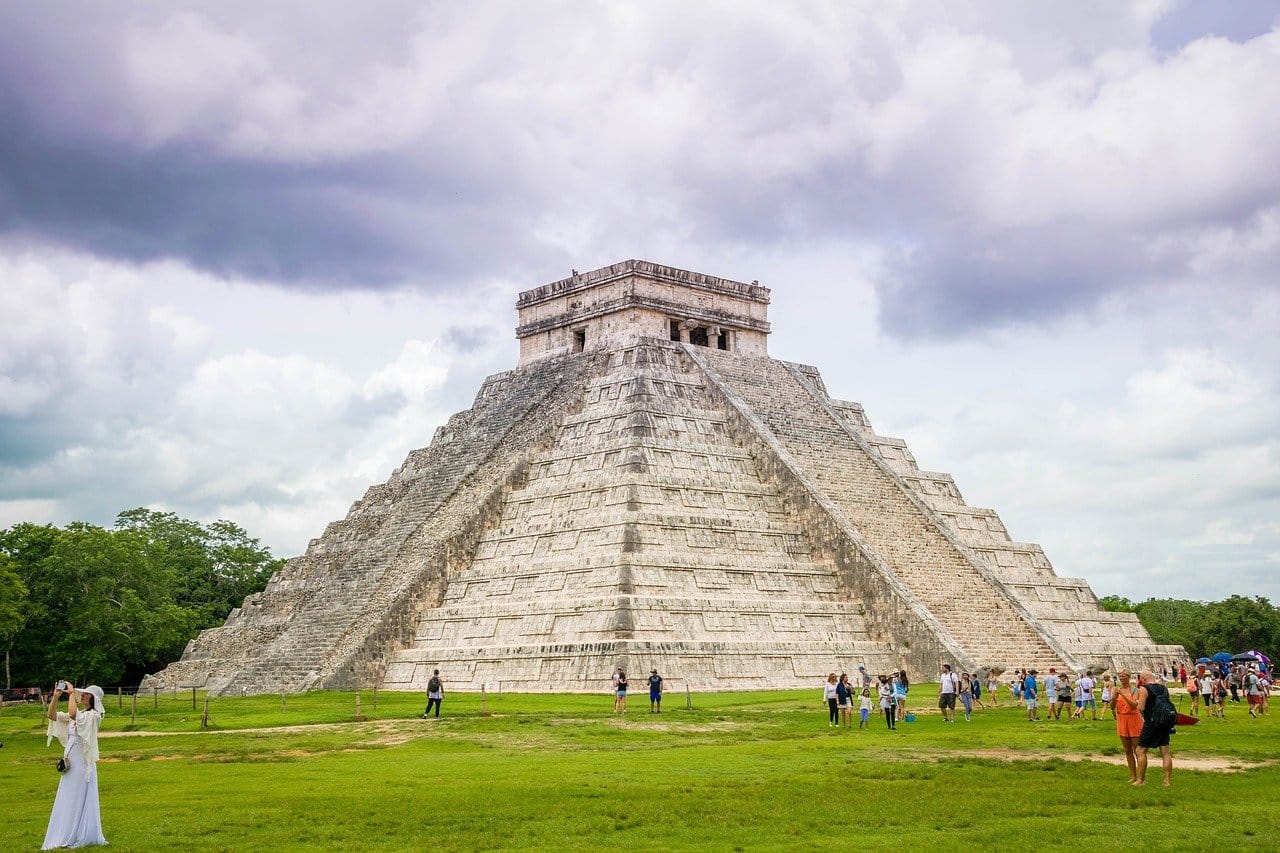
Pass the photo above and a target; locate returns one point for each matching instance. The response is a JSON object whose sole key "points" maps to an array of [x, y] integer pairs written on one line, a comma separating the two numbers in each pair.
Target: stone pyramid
{"points": [[648, 489]]}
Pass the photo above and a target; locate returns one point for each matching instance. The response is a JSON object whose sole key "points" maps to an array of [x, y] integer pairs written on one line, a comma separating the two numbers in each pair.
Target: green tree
{"points": [[1116, 604], [111, 604], [13, 610], [1174, 621], [1237, 624], [216, 566]]}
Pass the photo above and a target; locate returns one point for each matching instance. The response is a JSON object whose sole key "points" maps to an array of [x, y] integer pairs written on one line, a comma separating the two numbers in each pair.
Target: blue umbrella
{"points": [[1222, 657], [1203, 660]]}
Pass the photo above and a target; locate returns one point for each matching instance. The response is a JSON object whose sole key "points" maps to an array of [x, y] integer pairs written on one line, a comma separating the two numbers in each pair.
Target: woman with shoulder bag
{"points": [[76, 820]]}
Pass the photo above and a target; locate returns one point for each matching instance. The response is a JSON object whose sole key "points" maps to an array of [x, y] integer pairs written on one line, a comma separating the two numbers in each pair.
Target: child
{"points": [[864, 709]]}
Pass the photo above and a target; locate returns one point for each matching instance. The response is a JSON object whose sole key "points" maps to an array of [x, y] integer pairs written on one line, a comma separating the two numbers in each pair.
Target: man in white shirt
{"points": [[1086, 695], [948, 687]]}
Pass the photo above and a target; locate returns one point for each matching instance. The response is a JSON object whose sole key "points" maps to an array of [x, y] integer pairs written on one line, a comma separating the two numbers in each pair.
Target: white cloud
{"points": [[158, 390], [1035, 243]]}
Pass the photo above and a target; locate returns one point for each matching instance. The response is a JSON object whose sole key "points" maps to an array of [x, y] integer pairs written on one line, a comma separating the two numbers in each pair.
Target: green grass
{"points": [[738, 771]]}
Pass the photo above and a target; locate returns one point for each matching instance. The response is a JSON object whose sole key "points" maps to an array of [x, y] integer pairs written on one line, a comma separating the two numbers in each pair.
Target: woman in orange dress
{"points": [[1124, 705]]}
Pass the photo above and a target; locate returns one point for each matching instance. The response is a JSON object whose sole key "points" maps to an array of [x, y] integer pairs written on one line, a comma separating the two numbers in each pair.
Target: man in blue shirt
{"points": [[1029, 693]]}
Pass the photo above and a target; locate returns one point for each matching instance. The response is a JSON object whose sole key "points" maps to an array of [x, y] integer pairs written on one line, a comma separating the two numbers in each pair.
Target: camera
{"points": [[63, 686]]}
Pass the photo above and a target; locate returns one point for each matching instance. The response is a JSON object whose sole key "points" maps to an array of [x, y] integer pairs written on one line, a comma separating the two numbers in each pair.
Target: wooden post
{"points": [[204, 720], [119, 698], [359, 716], [484, 702], [193, 698], [283, 706], [155, 697], [688, 698], [133, 711]]}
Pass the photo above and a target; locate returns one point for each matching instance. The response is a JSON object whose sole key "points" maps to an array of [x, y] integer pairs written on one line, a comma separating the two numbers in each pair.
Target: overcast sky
{"points": [[251, 254]]}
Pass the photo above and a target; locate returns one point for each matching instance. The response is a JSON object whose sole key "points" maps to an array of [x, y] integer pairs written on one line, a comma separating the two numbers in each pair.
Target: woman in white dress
{"points": [[76, 820]]}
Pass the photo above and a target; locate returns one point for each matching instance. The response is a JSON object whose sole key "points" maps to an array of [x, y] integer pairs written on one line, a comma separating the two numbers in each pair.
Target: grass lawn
{"points": [[738, 771]]}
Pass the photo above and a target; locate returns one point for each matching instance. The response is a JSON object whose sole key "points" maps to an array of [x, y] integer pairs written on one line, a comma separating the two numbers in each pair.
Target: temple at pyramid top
{"points": [[622, 303]]}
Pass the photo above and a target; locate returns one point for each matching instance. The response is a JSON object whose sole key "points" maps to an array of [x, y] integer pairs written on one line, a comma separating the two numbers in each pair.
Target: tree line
{"points": [[113, 604], [1203, 628]]}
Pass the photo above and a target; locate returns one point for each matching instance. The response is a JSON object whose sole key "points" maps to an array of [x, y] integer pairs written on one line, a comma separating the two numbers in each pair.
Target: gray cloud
{"points": [[433, 148]]}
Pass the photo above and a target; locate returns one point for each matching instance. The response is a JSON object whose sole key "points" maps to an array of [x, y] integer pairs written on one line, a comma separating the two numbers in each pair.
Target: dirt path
{"points": [[1215, 764], [379, 726]]}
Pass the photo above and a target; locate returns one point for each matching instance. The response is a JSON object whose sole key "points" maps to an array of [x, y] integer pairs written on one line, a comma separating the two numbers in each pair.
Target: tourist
{"points": [[844, 700], [76, 820], [1182, 673], [655, 692], [865, 678], [1253, 692], [435, 692], [620, 693], [1087, 701], [977, 691], [830, 692], [1124, 706], [1152, 697], [1029, 693], [993, 688], [1063, 698], [1193, 690], [1077, 696], [887, 703], [901, 686], [1220, 696], [617, 675], [864, 709], [966, 696], [948, 686], [1107, 690], [1051, 682], [1206, 690]]}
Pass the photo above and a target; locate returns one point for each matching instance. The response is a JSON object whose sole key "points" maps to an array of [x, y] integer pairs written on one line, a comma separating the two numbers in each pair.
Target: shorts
{"points": [[845, 705], [1031, 704], [622, 694], [947, 701], [1079, 703], [1129, 725], [1152, 738], [1255, 698], [1089, 703], [655, 697], [864, 714]]}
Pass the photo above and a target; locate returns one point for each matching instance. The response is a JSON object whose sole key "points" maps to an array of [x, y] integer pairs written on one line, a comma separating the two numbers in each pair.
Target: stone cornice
{"points": [[679, 310], [643, 269]]}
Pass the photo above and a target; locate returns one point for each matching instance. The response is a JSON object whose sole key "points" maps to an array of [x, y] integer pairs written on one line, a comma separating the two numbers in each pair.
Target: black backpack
{"points": [[433, 685], [1163, 715]]}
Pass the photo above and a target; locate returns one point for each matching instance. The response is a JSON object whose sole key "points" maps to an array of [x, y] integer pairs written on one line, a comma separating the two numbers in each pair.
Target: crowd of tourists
{"points": [[1214, 684], [1141, 707]]}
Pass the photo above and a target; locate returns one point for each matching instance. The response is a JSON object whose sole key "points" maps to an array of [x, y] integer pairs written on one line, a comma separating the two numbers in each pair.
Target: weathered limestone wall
{"points": [[1064, 608], [989, 625], [656, 504], [329, 617], [644, 538]]}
